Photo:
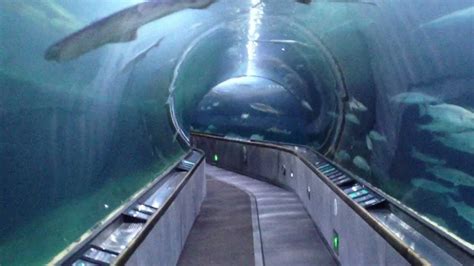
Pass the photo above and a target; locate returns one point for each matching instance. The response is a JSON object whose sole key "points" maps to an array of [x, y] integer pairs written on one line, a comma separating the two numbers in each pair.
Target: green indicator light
{"points": [[335, 242], [216, 158]]}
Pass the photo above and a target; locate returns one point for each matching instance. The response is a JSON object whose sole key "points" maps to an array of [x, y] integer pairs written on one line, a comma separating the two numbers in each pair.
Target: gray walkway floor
{"points": [[283, 232]]}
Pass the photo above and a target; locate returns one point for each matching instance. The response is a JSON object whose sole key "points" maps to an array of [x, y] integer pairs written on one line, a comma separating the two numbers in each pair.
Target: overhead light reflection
{"points": [[255, 20]]}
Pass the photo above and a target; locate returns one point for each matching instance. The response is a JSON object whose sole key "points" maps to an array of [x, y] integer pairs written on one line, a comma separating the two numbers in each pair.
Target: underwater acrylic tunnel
{"points": [[282, 131]]}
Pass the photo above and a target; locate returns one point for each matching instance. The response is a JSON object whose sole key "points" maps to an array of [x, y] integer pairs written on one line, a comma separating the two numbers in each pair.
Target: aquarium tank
{"points": [[97, 98]]}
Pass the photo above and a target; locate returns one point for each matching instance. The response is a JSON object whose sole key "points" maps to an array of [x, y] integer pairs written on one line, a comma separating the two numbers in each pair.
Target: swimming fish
{"points": [[463, 210], [215, 104], [306, 2], [425, 184], [279, 131], [141, 55], [361, 163], [374, 135], [447, 118], [463, 141], [454, 176], [306, 105], [413, 98], [211, 128], [332, 114], [369, 143], [264, 108], [355, 105], [283, 41], [342, 156], [118, 27], [353, 119], [256, 137], [244, 116], [426, 158]]}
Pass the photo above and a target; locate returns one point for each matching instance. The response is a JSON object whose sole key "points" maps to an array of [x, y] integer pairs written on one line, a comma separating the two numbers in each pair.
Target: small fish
{"points": [[413, 98], [454, 176], [264, 108], [355, 105], [369, 143], [256, 137], [342, 156], [211, 128], [353, 119], [215, 104], [282, 41], [233, 136], [463, 210], [425, 184], [332, 114], [118, 27], [376, 136], [426, 158], [245, 116], [361, 163], [306, 105], [279, 131]]}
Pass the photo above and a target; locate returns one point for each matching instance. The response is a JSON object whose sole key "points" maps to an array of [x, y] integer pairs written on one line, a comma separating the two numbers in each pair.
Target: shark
{"points": [[264, 108], [141, 55], [119, 27]]}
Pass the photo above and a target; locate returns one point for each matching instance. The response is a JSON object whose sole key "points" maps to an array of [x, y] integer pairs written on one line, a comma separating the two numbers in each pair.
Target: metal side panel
{"points": [[163, 244]]}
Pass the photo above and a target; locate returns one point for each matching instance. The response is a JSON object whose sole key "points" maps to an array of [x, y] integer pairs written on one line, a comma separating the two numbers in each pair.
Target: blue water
{"points": [[78, 138]]}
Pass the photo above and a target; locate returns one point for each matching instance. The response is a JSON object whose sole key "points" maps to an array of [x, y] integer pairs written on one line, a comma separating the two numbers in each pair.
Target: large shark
{"points": [[118, 27]]}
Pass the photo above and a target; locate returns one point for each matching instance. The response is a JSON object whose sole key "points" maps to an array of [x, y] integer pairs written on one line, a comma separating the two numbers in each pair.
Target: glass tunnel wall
{"points": [[383, 87]]}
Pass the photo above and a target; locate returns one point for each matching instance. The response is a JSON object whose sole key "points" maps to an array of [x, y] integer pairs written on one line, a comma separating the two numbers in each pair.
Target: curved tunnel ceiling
{"points": [[254, 45]]}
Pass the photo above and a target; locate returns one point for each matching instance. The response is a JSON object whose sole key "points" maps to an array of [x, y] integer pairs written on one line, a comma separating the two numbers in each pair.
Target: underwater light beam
{"points": [[255, 20]]}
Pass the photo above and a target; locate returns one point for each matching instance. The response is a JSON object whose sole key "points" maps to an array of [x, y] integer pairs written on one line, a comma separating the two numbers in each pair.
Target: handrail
{"points": [[125, 255], [135, 243], [404, 250]]}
